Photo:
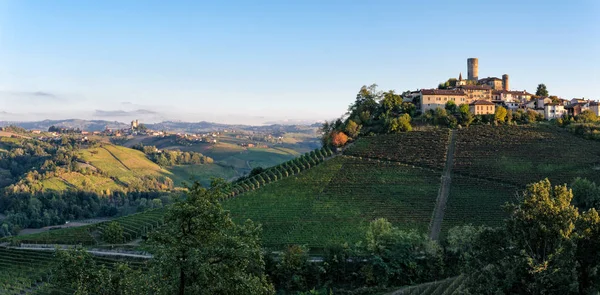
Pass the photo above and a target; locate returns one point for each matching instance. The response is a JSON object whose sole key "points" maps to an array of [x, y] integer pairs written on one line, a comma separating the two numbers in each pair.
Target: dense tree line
{"points": [[26, 210], [173, 157], [373, 112], [453, 116]]}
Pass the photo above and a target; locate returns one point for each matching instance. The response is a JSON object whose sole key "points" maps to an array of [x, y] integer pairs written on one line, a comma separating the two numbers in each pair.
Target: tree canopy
{"points": [[541, 90], [544, 248]]}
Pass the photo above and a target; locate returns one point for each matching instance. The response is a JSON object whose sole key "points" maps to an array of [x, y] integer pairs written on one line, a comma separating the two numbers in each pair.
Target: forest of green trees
{"points": [[172, 157]]}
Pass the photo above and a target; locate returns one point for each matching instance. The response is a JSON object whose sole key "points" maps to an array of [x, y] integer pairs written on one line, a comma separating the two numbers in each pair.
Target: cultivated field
{"points": [[334, 200], [420, 148], [134, 227], [525, 154]]}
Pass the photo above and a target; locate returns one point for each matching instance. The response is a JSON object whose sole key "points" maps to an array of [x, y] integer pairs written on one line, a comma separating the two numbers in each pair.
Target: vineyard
{"points": [[333, 201], [134, 227], [281, 171], [23, 271], [445, 287], [476, 202], [525, 154], [419, 148]]}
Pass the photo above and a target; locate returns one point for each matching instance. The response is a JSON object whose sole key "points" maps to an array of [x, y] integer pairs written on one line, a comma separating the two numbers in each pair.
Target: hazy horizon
{"points": [[249, 63]]}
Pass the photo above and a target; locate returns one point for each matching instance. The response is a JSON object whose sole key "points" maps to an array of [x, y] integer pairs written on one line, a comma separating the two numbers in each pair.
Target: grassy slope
{"points": [[333, 201]]}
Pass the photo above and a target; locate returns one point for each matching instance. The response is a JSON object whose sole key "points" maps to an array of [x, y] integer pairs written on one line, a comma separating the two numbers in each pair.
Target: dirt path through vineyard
{"points": [[442, 199]]}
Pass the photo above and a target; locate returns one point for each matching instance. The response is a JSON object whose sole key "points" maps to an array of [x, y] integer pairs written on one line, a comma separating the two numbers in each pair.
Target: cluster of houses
{"points": [[484, 95]]}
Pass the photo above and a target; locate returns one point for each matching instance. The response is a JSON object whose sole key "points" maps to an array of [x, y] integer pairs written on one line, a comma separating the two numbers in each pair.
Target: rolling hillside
{"points": [[121, 168], [398, 177]]}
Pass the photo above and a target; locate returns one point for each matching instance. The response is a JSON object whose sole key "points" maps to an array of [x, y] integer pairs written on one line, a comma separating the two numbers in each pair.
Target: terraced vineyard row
{"points": [[23, 271], [445, 287], [281, 171], [134, 226], [420, 148], [477, 202], [331, 202], [525, 154]]}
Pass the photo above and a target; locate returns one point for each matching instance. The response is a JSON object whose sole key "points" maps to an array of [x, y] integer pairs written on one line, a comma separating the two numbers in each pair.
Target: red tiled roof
{"points": [[442, 92], [481, 102], [476, 87]]}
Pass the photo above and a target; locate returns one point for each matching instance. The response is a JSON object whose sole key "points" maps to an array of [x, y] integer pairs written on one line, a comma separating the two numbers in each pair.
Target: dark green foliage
{"points": [[200, 250], [373, 112], [174, 157], [113, 233], [541, 90], [586, 194], [544, 248]]}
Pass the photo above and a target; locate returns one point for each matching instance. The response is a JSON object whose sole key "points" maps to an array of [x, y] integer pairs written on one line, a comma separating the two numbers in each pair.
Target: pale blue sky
{"points": [[256, 61]]}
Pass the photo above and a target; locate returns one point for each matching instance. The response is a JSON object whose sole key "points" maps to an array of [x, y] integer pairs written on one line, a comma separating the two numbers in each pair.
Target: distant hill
{"points": [[88, 125], [170, 126]]}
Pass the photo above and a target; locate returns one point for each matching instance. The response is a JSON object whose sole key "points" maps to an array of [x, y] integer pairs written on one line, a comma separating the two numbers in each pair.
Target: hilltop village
{"points": [[484, 95]]}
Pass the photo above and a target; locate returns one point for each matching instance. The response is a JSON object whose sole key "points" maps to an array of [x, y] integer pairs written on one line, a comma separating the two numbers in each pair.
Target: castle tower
{"points": [[505, 86], [473, 69]]}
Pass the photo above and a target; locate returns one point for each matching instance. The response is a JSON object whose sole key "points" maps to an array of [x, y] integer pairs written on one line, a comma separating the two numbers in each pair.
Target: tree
{"points": [[113, 233], [339, 139], [76, 269], [400, 124], [587, 116], [352, 129], [544, 248], [294, 272], [200, 250], [500, 114], [465, 117], [397, 257], [588, 247], [541, 90], [451, 107], [586, 194]]}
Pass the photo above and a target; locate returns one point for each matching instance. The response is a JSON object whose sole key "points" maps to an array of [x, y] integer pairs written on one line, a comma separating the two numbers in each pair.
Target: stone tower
{"points": [[473, 69], [505, 82]]}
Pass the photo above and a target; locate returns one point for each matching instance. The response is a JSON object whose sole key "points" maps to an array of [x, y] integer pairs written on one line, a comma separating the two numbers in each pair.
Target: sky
{"points": [[259, 61]]}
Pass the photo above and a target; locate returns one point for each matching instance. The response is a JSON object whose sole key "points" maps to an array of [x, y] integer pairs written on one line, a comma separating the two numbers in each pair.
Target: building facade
{"points": [[430, 99], [482, 107], [477, 92], [554, 111]]}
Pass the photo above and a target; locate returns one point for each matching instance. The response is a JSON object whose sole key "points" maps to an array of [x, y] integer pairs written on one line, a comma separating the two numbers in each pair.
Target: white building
{"points": [[554, 111]]}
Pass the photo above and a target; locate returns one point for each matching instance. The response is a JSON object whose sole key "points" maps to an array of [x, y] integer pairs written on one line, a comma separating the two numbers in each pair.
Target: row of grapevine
{"points": [[134, 226], [445, 287], [332, 202], [519, 155], [28, 271], [137, 225], [281, 171]]}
